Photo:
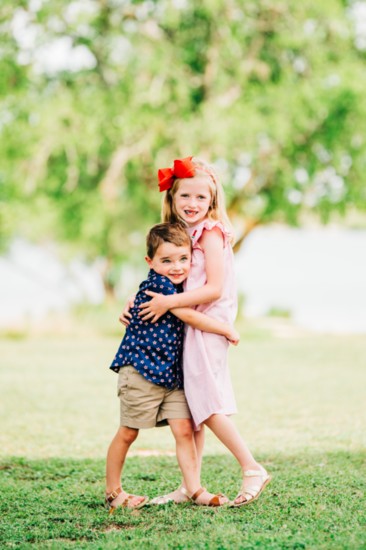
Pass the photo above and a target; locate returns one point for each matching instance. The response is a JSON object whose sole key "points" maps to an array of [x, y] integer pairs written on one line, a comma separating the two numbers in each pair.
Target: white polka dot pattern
{"points": [[154, 349]]}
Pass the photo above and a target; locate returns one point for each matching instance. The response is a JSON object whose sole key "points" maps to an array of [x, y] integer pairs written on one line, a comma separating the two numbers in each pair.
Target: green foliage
{"points": [[272, 92]]}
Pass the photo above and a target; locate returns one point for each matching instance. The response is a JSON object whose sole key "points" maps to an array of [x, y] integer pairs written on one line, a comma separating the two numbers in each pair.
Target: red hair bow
{"points": [[183, 168]]}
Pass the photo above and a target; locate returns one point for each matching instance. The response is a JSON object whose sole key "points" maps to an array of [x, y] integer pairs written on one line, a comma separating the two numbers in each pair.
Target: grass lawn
{"points": [[301, 408]]}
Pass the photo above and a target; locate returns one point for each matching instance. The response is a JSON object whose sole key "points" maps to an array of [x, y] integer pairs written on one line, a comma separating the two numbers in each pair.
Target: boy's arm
{"points": [[203, 322]]}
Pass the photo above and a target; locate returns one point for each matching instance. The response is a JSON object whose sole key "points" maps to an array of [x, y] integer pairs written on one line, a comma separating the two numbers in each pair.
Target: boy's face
{"points": [[172, 261]]}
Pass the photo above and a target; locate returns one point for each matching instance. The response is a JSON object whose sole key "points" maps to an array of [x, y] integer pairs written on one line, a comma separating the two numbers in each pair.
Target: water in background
{"points": [[317, 275]]}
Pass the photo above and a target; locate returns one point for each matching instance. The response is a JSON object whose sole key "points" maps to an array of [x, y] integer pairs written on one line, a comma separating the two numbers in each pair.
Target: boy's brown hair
{"points": [[174, 233]]}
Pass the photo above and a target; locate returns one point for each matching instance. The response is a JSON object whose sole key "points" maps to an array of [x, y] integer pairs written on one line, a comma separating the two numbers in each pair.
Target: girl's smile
{"points": [[192, 200]]}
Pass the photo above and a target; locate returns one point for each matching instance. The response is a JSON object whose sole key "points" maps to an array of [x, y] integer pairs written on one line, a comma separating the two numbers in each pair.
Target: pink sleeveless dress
{"points": [[207, 382]]}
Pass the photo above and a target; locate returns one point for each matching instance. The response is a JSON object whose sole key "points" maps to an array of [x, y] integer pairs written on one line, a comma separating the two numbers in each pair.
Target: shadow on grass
{"points": [[314, 501]]}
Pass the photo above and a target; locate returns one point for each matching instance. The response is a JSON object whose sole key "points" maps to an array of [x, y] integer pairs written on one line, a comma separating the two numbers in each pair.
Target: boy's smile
{"points": [[172, 261]]}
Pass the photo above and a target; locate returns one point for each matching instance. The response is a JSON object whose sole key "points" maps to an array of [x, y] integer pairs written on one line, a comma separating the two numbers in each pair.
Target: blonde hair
{"points": [[217, 209]]}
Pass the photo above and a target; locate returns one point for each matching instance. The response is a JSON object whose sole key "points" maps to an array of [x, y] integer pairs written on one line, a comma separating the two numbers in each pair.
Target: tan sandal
{"points": [[252, 492], [214, 501], [126, 503]]}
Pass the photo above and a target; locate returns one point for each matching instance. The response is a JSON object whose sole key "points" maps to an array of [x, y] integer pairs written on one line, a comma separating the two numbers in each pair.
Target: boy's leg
{"points": [[186, 452], [188, 462], [115, 460]]}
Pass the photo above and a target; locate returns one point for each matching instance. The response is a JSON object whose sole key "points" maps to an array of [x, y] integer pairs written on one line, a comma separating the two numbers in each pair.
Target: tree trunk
{"points": [[248, 228], [108, 283]]}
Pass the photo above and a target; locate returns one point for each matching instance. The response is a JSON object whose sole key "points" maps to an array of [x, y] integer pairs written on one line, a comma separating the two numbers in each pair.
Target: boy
{"points": [[150, 382]]}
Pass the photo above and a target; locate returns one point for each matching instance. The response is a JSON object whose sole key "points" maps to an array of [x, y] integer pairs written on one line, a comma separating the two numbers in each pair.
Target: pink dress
{"points": [[207, 382]]}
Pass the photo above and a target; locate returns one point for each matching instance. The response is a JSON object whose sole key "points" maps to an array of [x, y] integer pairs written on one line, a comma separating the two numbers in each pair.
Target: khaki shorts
{"points": [[146, 405]]}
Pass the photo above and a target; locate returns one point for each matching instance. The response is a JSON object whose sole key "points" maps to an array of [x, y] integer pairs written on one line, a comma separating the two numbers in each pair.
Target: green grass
{"points": [[301, 408], [57, 504]]}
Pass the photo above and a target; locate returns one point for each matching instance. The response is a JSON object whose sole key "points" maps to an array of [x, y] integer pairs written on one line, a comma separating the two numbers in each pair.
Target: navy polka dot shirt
{"points": [[154, 349]]}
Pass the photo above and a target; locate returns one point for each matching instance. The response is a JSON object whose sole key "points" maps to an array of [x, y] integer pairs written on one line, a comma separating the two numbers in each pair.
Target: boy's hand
{"points": [[125, 316], [158, 305], [233, 336]]}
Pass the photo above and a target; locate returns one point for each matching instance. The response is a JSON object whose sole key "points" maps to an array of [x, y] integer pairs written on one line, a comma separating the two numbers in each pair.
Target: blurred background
{"points": [[96, 95]]}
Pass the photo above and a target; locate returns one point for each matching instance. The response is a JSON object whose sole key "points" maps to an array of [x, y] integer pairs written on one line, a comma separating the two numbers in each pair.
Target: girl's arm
{"points": [[205, 323], [212, 244]]}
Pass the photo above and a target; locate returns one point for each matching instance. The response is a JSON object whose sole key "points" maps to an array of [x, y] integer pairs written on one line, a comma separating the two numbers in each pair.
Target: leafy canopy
{"points": [[95, 96]]}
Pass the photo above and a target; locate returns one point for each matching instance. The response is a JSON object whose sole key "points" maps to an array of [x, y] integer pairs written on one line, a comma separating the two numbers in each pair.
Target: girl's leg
{"points": [[225, 430], [199, 438], [115, 460]]}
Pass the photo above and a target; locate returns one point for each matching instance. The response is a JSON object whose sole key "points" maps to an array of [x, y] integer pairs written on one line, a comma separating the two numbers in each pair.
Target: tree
{"points": [[96, 95]]}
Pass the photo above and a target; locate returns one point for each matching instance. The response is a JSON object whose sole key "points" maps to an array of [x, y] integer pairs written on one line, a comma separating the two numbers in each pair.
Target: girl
{"points": [[195, 197]]}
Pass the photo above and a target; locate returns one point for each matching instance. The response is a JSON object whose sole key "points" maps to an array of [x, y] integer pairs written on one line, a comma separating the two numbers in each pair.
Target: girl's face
{"points": [[192, 200]]}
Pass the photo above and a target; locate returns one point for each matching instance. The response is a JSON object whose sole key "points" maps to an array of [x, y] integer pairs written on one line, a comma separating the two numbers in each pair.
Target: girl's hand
{"points": [[233, 336], [153, 310], [126, 316]]}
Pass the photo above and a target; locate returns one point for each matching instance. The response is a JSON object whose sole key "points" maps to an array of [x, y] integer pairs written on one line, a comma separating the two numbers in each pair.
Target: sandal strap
{"points": [[184, 491], [199, 492], [114, 494], [128, 499], [255, 473], [255, 489], [252, 491], [215, 501]]}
